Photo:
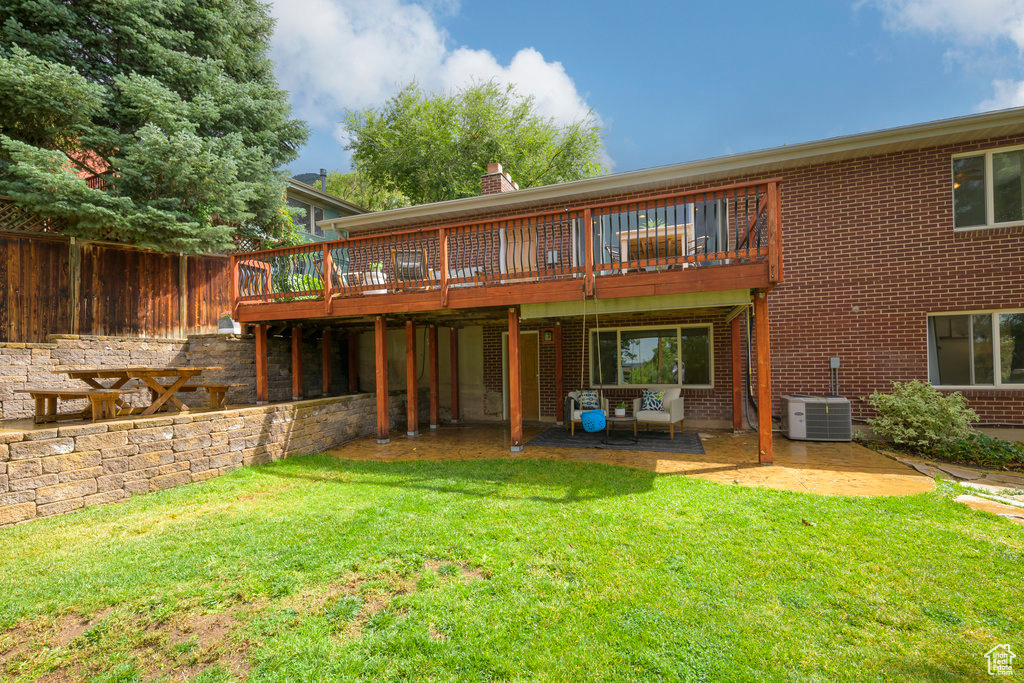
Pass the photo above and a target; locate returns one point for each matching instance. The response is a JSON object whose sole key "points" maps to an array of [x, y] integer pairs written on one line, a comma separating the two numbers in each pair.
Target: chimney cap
{"points": [[493, 167]]}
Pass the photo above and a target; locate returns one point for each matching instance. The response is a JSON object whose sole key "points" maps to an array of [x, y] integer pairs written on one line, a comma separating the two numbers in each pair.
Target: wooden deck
{"points": [[714, 239]]}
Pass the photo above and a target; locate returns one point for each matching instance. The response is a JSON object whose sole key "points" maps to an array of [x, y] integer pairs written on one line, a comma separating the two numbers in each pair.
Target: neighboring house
{"points": [[315, 205], [901, 252]]}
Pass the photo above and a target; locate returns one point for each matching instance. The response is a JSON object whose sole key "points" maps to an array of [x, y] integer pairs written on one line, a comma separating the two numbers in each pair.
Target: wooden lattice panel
{"points": [[16, 218]]}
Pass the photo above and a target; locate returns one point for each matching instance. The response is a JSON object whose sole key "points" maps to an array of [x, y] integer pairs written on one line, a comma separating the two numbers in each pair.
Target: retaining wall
{"points": [[54, 470]]}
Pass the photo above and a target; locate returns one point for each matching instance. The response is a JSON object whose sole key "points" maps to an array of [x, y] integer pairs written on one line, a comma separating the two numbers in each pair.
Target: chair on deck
{"points": [[671, 413], [410, 267]]}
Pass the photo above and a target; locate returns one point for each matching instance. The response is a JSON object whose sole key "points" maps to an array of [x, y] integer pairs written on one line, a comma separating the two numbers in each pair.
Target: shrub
{"points": [[982, 449], [918, 417]]}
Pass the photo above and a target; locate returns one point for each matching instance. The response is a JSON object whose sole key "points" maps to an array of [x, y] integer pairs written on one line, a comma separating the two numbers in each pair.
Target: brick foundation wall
{"points": [[51, 471]]}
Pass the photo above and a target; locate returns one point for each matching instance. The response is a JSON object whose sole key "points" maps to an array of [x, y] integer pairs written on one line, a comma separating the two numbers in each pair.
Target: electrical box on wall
{"points": [[833, 362]]}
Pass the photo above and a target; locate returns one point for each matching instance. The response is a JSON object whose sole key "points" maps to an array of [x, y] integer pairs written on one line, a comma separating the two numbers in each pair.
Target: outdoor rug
{"points": [[559, 437]]}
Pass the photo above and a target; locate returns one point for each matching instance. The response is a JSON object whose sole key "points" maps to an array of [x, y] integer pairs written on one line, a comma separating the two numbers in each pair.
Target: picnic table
{"points": [[103, 403], [161, 394]]}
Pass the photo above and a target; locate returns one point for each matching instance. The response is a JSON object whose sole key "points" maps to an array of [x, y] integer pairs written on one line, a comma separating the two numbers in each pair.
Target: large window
{"points": [[988, 188], [976, 349], [651, 356]]}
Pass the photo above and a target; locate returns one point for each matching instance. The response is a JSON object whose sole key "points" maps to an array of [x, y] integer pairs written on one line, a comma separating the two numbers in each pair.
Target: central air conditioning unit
{"points": [[817, 418]]}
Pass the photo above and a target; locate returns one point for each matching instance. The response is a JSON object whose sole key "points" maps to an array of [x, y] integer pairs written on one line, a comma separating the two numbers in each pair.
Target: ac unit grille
{"points": [[818, 418]]}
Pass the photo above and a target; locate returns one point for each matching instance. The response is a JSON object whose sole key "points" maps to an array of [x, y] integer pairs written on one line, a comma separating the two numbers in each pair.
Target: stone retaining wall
{"points": [[53, 470], [33, 364]]}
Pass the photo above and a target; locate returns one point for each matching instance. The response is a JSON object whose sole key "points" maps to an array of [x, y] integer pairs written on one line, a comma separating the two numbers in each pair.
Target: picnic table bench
{"points": [[103, 403], [161, 393], [216, 391]]}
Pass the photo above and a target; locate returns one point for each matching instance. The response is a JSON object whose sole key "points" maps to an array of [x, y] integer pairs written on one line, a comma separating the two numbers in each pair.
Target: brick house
{"points": [[735, 278]]}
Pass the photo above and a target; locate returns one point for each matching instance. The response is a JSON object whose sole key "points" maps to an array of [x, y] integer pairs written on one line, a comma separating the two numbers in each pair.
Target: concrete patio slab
{"points": [[832, 469]]}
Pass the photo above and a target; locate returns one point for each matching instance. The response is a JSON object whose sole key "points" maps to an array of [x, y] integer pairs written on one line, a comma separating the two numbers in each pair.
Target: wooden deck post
{"points": [[380, 341], [435, 397], [764, 379], [325, 361], [737, 376], [412, 419], [453, 344], [559, 378], [515, 394], [262, 374], [353, 363], [296, 363]]}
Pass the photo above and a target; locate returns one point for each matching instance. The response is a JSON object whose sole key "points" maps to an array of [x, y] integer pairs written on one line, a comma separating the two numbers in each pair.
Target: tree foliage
{"points": [[435, 147], [354, 187], [172, 102]]}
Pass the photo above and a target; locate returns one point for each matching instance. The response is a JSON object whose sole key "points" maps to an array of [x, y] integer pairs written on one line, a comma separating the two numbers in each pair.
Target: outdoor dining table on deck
{"points": [[162, 393]]}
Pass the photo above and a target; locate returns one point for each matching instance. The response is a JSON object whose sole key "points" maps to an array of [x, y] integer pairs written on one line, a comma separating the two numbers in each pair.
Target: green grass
{"points": [[318, 569]]}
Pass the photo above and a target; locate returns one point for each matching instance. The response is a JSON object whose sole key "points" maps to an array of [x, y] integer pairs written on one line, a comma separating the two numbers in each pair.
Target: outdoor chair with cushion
{"points": [[670, 413], [574, 407]]}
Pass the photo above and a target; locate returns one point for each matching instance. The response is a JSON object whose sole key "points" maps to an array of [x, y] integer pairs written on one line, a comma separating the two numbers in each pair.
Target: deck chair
{"points": [[410, 267]]}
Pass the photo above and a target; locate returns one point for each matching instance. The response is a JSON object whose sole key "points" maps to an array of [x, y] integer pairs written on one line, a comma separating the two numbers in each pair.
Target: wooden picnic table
{"points": [[161, 393]]}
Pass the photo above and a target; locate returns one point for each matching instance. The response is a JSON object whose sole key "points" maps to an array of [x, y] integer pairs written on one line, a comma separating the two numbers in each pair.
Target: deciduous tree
{"points": [[432, 147]]}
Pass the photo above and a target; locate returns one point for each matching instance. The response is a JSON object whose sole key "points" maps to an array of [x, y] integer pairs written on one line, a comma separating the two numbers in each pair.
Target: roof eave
{"points": [[989, 124]]}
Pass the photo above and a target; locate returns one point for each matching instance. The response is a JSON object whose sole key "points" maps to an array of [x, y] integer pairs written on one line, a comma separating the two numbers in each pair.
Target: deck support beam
{"points": [[515, 393], [262, 373], [411, 404], [380, 339], [296, 363], [432, 366], [559, 378], [737, 376], [453, 347], [764, 379], [353, 363]]}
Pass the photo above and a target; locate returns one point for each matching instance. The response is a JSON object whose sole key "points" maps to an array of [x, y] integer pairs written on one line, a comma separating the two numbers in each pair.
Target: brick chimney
{"points": [[496, 180]]}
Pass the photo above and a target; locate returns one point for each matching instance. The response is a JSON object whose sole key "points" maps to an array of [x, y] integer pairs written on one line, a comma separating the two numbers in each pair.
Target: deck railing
{"points": [[696, 229]]}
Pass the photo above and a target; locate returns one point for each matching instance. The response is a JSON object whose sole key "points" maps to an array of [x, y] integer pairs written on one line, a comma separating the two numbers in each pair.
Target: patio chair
{"points": [[410, 267], [671, 413], [573, 410]]}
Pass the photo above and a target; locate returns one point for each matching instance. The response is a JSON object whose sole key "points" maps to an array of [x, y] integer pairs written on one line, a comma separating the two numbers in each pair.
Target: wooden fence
{"points": [[52, 284]]}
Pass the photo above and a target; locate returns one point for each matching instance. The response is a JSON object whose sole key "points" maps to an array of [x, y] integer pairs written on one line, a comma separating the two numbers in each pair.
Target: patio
{"points": [[832, 469]]}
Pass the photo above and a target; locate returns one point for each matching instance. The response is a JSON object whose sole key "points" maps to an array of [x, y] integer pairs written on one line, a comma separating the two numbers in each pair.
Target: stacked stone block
{"points": [[55, 470]]}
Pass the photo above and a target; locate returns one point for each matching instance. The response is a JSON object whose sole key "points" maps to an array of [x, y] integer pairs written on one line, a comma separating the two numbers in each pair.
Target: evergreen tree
{"points": [[172, 103]]}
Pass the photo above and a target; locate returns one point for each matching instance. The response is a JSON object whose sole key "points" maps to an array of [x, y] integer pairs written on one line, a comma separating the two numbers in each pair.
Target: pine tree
{"points": [[172, 103]]}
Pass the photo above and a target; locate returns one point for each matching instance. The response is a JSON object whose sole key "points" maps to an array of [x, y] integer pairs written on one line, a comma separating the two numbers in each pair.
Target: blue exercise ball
{"points": [[593, 420]]}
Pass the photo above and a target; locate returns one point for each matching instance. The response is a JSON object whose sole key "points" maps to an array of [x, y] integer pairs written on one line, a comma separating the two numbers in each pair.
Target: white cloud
{"points": [[969, 25], [1008, 93], [963, 21], [334, 55]]}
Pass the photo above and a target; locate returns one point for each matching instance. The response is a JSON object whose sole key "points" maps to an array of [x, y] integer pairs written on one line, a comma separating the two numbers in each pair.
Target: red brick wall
{"points": [[710, 405], [869, 251]]}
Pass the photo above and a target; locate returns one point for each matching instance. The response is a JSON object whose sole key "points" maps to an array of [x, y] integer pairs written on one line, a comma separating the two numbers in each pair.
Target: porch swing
{"points": [[594, 419]]}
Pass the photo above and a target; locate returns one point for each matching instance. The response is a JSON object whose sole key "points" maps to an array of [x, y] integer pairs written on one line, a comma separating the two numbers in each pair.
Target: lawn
{"points": [[320, 569]]}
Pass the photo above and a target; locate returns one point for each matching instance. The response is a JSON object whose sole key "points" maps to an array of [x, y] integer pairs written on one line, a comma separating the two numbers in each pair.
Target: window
{"points": [[988, 188], [976, 349], [302, 219], [651, 356]]}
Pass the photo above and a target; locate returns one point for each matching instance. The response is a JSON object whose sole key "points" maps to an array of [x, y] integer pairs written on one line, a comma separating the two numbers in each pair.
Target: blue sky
{"points": [[669, 81]]}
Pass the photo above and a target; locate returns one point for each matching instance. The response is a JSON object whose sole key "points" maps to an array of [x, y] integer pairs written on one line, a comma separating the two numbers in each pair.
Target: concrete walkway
{"points": [[1000, 493], [832, 469]]}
